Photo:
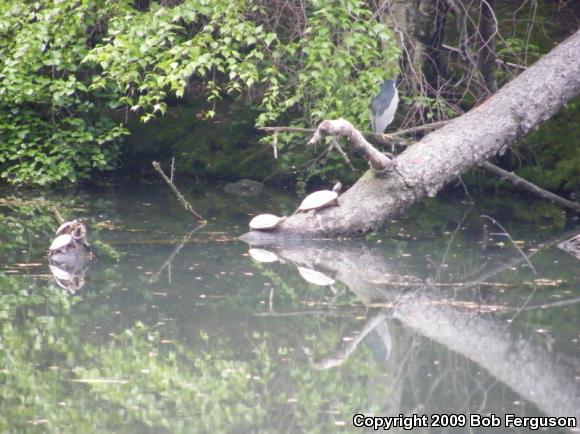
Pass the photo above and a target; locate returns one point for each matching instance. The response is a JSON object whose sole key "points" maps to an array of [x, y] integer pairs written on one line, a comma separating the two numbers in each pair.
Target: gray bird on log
{"points": [[384, 106]]}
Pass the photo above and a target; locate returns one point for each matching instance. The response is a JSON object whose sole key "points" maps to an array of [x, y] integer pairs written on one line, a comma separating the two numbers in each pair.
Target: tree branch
{"points": [[489, 167], [530, 187], [341, 127], [499, 61], [426, 167], [177, 193], [387, 139]]}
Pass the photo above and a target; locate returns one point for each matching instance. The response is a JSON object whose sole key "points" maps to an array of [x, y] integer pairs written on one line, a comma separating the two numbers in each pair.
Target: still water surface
{"points": [[178, 329]]}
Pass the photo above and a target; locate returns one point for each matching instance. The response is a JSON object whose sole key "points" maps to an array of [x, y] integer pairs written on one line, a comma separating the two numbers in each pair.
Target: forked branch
{"points": [[343, 128]]}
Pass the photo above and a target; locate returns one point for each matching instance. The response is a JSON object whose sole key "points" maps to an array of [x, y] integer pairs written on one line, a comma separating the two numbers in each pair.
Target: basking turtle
{"points": [[265, 222], [75, 228], [320, 199], [66, 227], [68, 280], [70, 240]]}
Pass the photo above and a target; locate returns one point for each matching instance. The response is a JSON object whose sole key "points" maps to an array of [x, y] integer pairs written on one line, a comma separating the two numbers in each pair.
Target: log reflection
{"points": [[512, 357]]}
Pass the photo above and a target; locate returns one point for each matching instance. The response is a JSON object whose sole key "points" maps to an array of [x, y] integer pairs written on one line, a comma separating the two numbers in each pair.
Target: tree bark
{"points": [[426, 167], [340, 127]]}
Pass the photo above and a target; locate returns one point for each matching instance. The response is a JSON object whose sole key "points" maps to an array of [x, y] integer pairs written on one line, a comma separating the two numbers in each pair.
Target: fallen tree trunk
{"points": [[486, 165], [424, 168]]}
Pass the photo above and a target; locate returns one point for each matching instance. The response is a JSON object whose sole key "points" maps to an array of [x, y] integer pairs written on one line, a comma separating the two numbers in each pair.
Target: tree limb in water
{"points": [[530, 187], [177, 193], [426, 167], [343, 354], [507, 353]]}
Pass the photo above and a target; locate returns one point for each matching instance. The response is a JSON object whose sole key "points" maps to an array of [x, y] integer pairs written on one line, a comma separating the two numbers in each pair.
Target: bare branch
{"points": [[499, 61], [530, 187], [177, 193], [287, 129], [341, 127], [339, 149]]}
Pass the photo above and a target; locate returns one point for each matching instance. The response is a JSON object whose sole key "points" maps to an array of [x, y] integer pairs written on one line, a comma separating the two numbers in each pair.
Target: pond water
{"points": [[174, 328]]}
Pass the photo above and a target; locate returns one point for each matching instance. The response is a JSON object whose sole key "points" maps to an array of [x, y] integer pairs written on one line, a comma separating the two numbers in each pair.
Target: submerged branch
{"points": [[343, 353], [177, 193], [559, 303], [530, 187], [506, 233]]}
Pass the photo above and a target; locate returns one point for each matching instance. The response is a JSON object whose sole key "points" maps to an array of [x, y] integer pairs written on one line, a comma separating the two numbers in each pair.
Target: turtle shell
{"points": [[318, 199], [60, 242], [265, 222], [66, 227], [75, 228], [59, 273]]}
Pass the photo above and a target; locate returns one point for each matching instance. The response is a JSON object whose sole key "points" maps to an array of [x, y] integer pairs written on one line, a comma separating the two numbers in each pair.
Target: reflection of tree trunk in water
{"points": [[519, 363], [526, 367]]}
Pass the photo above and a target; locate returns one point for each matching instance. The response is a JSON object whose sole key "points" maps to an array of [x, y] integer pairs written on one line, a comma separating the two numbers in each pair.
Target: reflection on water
{"points": [[175, 328]]}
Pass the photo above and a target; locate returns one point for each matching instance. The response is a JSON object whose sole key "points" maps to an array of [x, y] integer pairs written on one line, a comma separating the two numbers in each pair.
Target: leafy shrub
{"points": [[68, 70], [52, 126]]}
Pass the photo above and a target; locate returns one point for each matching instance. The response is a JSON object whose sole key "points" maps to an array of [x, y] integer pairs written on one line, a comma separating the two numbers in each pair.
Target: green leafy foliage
{"points": [[60, 375], [52, 127], [69, 69], [343, 53], [148, 56], [554, 147], [341, 59]]}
